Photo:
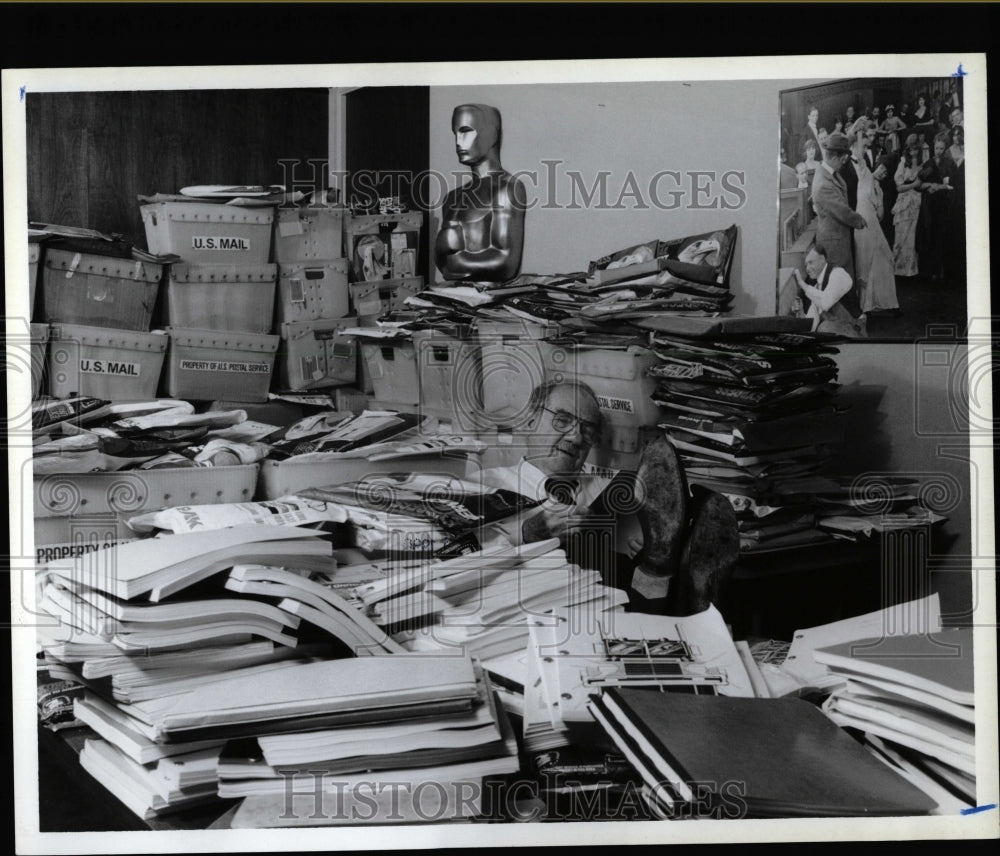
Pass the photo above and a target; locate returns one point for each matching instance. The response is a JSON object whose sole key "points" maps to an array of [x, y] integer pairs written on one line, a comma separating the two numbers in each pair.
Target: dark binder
{"points": [[778, 757]]}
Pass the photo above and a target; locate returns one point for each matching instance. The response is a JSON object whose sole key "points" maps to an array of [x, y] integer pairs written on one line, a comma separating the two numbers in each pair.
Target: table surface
{"points": [[71, 800]]}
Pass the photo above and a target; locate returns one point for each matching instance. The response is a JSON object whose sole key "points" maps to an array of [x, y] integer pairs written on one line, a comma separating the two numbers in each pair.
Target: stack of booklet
{"points": [[407, 738], [144, 624], [913, 699], [753, 416], [479, 603]]}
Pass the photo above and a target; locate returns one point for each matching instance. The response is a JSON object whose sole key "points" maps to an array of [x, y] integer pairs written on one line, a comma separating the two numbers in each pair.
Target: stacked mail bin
{"points": [[219, 297], [383, 254], [39, 332], [98, 309], [312, 299]]}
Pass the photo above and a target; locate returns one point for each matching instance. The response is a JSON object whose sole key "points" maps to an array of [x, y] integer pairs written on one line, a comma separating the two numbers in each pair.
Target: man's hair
{"points": [[540, 394], [819, 249]]}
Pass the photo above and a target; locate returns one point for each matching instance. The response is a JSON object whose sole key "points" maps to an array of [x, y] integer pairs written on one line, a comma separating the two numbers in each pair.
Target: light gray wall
{"points": [[910, 415], [642, 129]]}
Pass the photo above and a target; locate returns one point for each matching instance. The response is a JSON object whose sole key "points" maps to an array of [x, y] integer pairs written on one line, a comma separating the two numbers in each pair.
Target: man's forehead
{"points": [[574, 400]]}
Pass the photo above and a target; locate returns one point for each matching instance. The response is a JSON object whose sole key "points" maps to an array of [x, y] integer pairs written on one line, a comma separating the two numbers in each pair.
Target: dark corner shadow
{"points": [[867, 446]]}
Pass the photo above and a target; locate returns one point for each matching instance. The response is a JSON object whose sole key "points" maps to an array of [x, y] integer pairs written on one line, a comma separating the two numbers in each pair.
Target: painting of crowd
{"points": [[905, 175]]}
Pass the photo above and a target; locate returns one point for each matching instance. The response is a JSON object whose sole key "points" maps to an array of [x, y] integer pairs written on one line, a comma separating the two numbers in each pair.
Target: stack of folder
{"points": [[912, 697], [755, 417]]}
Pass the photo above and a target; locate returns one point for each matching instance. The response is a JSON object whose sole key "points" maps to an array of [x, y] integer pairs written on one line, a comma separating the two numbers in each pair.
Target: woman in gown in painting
{"points": [[906, 211], [923, 119], [808, 167], [954, 243], [873, 263], [937, 175]]}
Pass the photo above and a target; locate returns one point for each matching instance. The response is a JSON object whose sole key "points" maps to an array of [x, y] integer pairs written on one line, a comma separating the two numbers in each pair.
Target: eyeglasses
{"points": [[563, 422]]}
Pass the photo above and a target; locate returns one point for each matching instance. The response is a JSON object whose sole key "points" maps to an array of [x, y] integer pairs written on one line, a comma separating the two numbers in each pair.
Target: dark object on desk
{"points": [[730, 757], [55, 703], [725, 325]]}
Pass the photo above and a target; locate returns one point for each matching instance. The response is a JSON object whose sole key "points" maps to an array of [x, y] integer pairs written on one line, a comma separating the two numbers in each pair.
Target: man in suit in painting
{"points": [[850, 176], [811, 130], [835, 219]]}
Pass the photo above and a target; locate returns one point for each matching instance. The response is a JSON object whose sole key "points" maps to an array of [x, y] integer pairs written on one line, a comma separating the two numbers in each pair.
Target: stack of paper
{"points": [[859, 506], [915, 695], [315, 602], [420, 719], [479, 603], [152, 622], [149, 792], [678, 279], [799, 673], [159, 567], [753, 416]]}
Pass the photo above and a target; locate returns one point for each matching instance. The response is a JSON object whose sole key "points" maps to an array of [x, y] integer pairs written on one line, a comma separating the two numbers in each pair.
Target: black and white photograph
{"points": [[901, 238], [412, 455]]}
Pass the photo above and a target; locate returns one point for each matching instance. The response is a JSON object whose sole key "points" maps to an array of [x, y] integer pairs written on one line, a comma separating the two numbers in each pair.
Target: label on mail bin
{"points": [[217, 242]]}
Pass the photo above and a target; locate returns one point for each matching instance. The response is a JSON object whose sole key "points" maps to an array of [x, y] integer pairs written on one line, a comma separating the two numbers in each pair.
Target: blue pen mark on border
{"points": [[959, 72], [21, 91], [979, 808]]}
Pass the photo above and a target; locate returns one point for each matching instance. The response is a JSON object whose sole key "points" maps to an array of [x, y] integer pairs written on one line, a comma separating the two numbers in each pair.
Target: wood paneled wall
{"points": [[389, 135], [90, 154]]}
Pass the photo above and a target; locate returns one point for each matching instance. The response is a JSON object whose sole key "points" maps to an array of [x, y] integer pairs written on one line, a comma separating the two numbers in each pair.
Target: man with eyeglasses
{"points": [[689, 540]]}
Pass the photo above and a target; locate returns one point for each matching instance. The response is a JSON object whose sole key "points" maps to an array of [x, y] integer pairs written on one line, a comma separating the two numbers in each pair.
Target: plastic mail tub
{"points": [[69, 537], [380, 296], [209, 232], [308, 235], [618, 379], [34, 256], [127, 492], [118, 365], [513, 359], [205, 365], [100, 291], [450, 374], [39, 347], [312, 291], [393, 371], [222, 297], [314, 355], [395, 243], [280, 478]]}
